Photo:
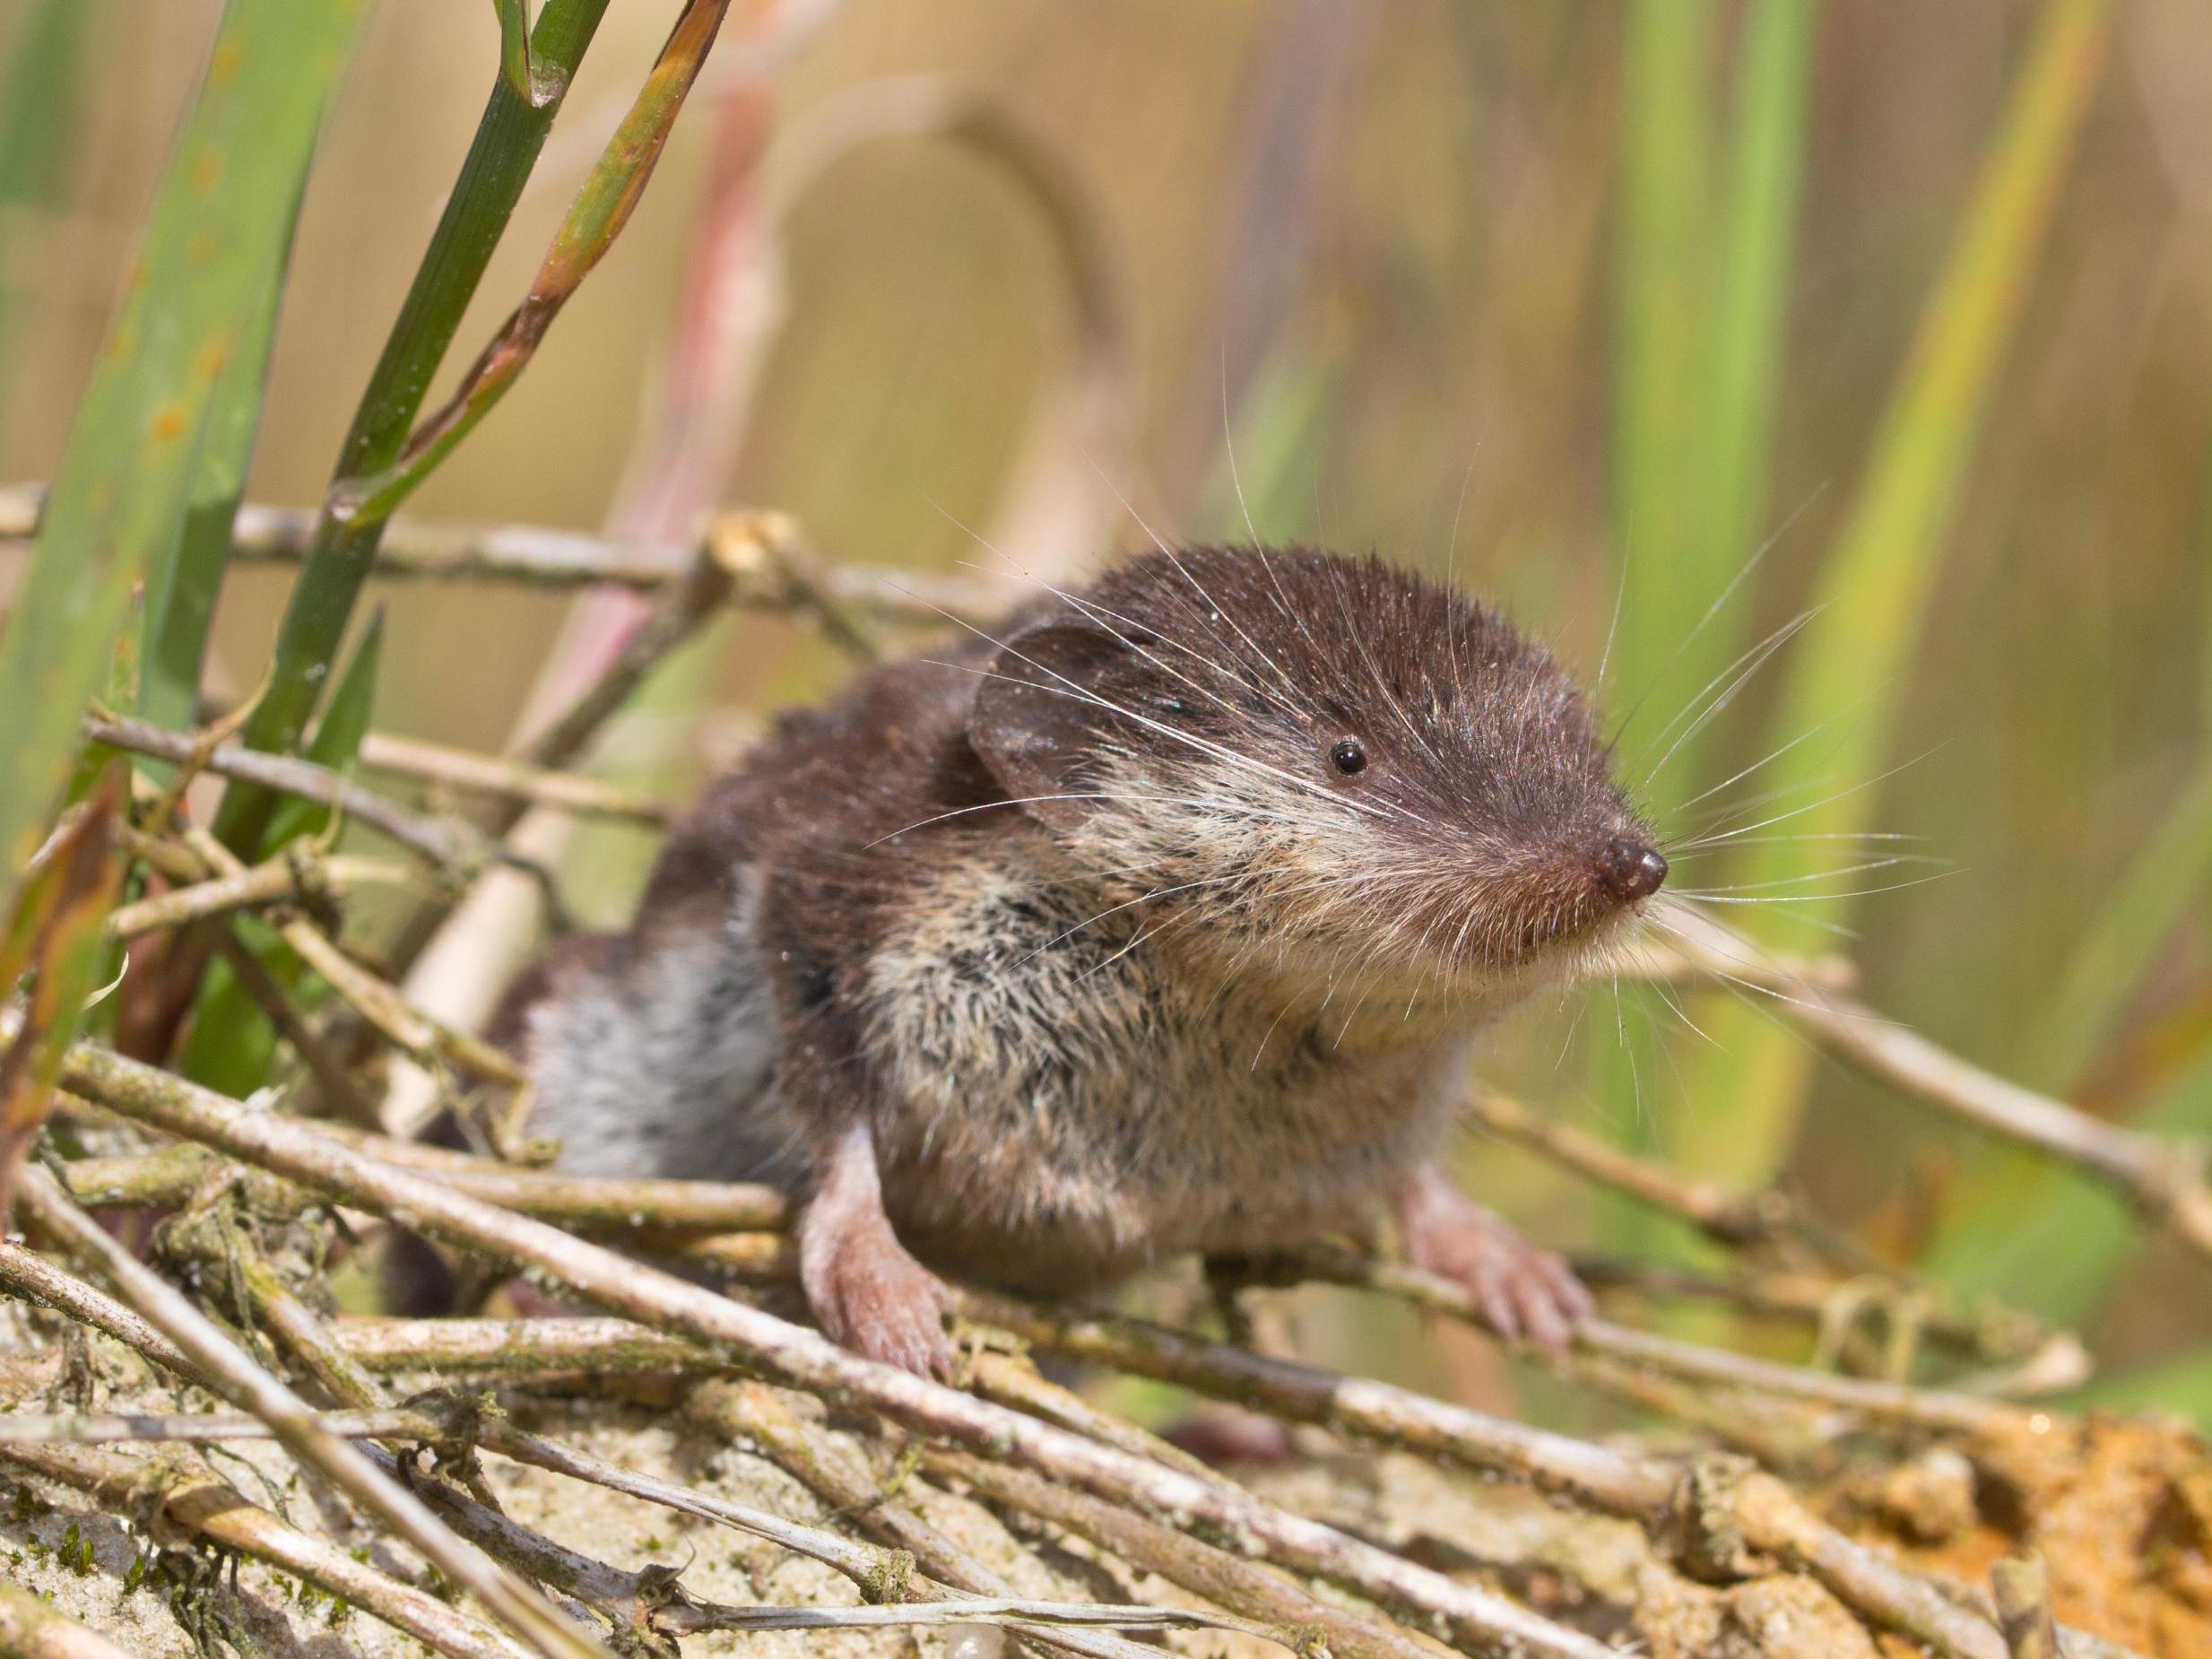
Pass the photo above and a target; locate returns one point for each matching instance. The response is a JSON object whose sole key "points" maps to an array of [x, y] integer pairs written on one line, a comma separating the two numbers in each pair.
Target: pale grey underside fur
{"points": [[661, 1063]]}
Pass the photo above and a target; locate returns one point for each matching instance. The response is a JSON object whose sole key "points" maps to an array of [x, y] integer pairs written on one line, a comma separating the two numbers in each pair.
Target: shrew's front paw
{"points": [[1520, 1290], [874, 1299]]}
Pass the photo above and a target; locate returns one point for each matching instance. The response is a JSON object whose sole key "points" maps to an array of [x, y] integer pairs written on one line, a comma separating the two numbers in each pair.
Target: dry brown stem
{"points": [[446, 842], [301, 877], [462, 769], [2165, 1177]]}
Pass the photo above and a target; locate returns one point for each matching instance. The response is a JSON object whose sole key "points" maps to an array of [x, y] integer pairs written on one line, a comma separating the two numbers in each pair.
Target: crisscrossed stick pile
{"points": [[235, 1181]]}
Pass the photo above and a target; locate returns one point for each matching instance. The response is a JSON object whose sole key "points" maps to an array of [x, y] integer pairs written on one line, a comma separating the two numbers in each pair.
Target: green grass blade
{"points": [[1874, 587], [2164, 880], [119, 496], [183, 585], [1766, 150], [39, 94], [1662, 296], [1278, 447], [1705, 276], [509, 138], [338, 735], [2162, 884], [44, 53]]}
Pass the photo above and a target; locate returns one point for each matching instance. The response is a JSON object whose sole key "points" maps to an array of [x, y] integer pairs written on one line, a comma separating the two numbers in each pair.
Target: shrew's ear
{"points": [[1046, 706]]}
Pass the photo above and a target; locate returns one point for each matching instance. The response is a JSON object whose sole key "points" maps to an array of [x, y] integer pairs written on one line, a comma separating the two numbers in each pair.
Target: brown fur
{"points": [[1081, 949]]}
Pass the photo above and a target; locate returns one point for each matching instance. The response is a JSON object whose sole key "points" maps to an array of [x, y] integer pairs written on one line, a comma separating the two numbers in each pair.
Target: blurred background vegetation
{"points": [[1888, 323]]}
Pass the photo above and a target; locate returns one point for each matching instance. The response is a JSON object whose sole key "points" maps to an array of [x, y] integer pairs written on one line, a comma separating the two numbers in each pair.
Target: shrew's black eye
{"points": [[1347, 756]]}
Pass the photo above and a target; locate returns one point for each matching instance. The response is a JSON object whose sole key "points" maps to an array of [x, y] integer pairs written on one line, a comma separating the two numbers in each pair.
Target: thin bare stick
{"points": [[446, 842], [200, 1428], [840, 1478], [167, 1177], [517, 1349], [1922, 1408], [1729, 1218], [463, 769], [527, 556], [2165, 1177], [279, 879], [1192, 1562], [735, 552], [427, 1040], [27, 1274]]}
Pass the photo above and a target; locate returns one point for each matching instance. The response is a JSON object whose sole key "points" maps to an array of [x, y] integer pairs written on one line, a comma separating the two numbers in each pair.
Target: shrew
{"points": [[1161, 919]]}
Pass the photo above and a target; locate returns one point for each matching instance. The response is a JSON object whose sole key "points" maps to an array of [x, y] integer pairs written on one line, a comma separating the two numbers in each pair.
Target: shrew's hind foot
{"points": [[1521, 1291]]}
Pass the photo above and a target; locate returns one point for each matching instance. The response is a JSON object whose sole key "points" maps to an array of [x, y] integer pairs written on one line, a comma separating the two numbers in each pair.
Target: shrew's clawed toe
{"points": [[1522, 1291]]}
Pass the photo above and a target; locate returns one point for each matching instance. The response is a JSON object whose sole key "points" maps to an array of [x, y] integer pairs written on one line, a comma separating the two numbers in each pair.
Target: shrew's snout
{"points": [[1629, 870]]}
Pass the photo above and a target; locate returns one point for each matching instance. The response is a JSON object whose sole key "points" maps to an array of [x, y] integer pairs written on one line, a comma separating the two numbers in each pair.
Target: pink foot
{"points": [[869, 1293], [1520, 1291], [874, 1299]]}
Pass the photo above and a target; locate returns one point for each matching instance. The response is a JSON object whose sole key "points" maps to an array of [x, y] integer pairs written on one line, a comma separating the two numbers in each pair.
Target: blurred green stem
{"points": [[1765, 159], [603, 206], [509, 138], [1701, 331], [2079, 1242], [1665, 273], [1874, 591]]}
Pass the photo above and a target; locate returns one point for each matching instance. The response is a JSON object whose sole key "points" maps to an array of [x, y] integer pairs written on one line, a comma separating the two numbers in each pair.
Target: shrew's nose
{"points": [[1630, 870]]}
